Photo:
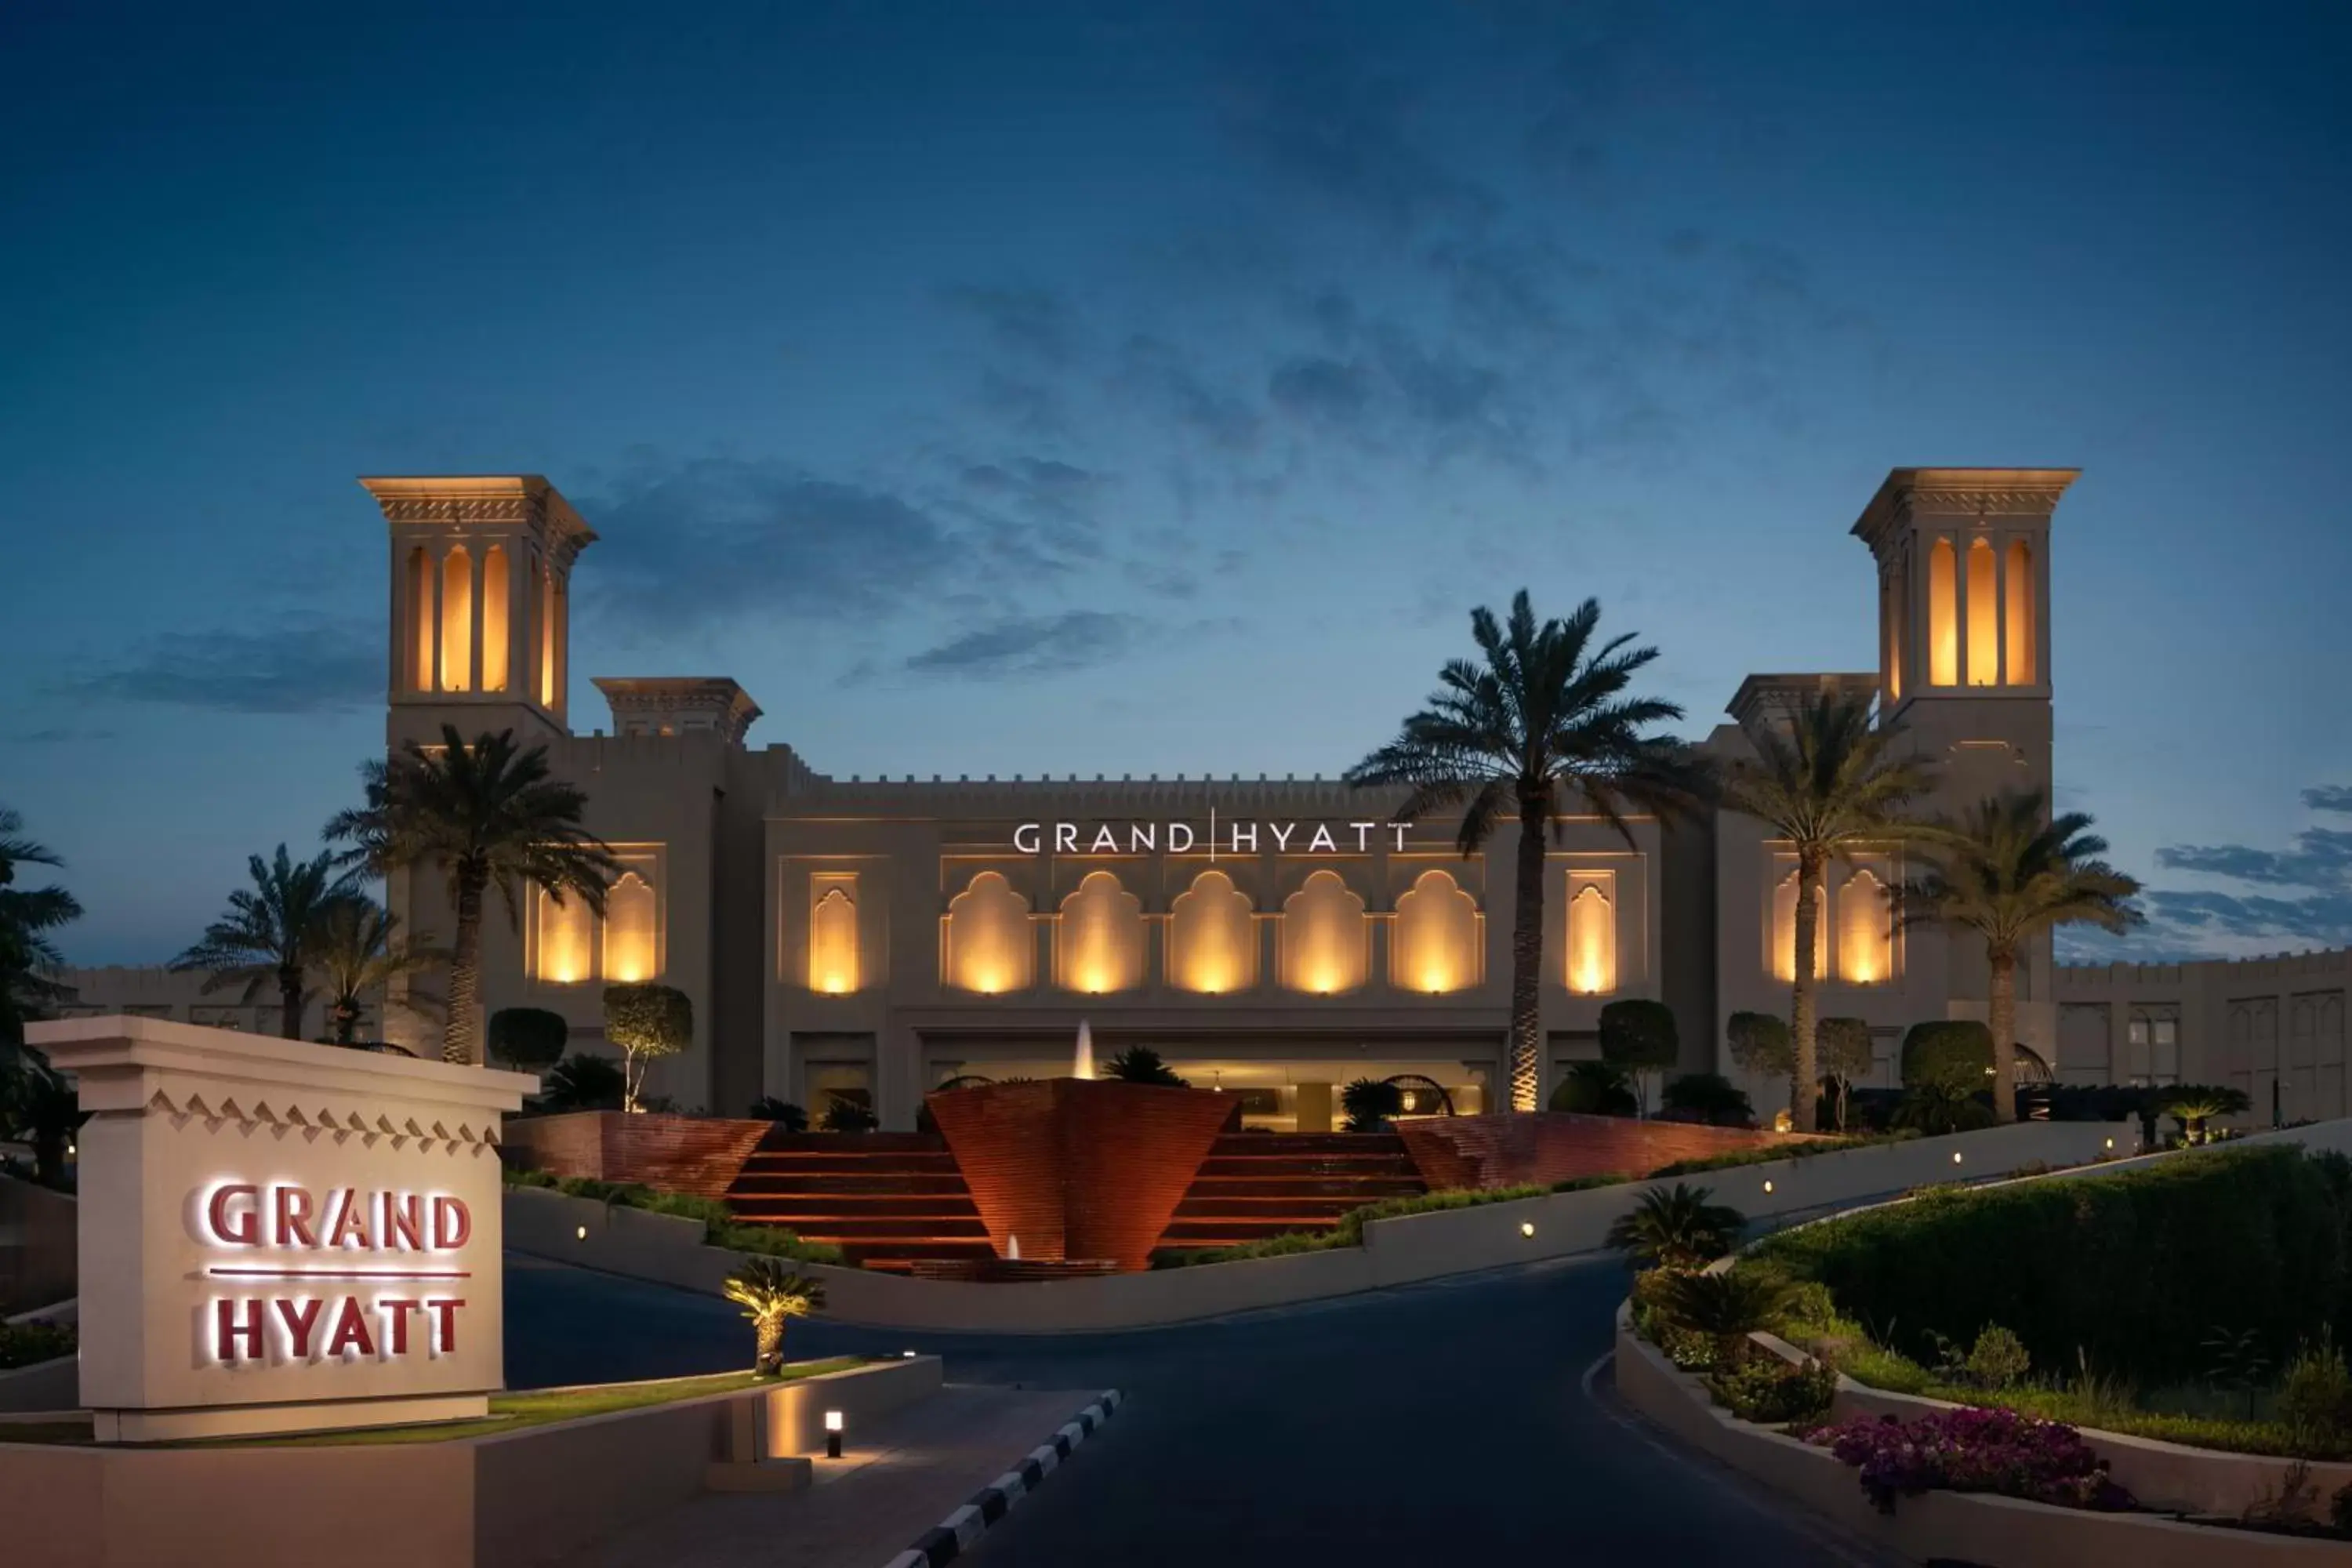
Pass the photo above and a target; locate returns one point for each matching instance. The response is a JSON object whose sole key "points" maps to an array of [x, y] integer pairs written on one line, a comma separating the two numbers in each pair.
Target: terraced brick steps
{"points": [[884, 1198], [1256, 1184]]}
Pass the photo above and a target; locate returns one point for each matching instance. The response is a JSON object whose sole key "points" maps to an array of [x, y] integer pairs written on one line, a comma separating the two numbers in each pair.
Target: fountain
{"points": [[1083, 1065]]}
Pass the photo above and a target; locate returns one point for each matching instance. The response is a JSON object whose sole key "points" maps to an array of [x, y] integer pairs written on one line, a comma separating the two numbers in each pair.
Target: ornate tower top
{"points": [[481, 573], [678, 705]]}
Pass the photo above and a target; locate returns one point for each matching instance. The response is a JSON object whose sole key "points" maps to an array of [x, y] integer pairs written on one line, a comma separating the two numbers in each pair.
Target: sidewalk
{"points": [[866, 1507]]}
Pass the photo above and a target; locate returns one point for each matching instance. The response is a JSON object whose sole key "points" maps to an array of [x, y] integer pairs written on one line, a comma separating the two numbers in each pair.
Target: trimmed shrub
{"points": [[646, 1021], [848, 1115], [1593, 1089], [527, 1037], [2130, 1273], [28, 1344], [1761, 1044], [1141, 1064], [1770, 1391], [1955, 1051], [783, 1112], [1637, 1036], [582, 1082]]}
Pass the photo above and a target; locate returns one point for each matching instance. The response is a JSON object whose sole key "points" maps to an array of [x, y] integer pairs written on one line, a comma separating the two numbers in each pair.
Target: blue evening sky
{"points": [[1118, 388]]}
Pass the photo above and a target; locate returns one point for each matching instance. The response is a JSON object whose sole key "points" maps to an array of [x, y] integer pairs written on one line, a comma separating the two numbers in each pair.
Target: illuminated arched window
{"points": [[1984, 616], [2021, 614], [567, 933], [1098, 941], [1435, 945], [1591, 933], [420, 620], [1893, 618], [1323, 937], [543, 583], [456, 620], [631, 939], [1866, 932], [1784, 932], [494, 618], [988, 946], [832, 937], [1212, 937], [1943, 615]]}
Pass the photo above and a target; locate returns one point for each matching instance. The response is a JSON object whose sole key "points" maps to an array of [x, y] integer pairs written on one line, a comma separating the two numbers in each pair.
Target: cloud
{"points": [[1023, 646], [1160, 374], [2312, 904], [1328, 390], [1024, 319], [721, 536], [57, 736], [288, 668]]}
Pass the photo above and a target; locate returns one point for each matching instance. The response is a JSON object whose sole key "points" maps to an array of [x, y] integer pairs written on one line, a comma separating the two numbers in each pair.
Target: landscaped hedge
{"points": [[720, 1226], [2134, 1272], [1350, 1231]]}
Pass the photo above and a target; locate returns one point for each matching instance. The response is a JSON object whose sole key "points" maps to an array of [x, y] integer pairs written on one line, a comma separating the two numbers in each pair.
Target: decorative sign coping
{"points": [[280, 1237]]}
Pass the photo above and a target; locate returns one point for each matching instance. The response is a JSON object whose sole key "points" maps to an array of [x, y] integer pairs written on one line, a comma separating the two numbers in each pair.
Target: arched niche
{"points": [[1865, 930], [1212, 937], [2020, 610], [832, 939], [456, 620], [631, 930], [420, 619], [988, 946], [1984, 616], [1098, 941], [496, 571], [567, 940], [1593, 934], [1943, 614], [1435, 948], [1323, 937]]}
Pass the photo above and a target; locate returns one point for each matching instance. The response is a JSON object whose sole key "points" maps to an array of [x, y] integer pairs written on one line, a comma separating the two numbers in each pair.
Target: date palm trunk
{"points": [[1805, 1072], [1526, 956], [2004, 1033], [768, 1359], [461, 1036], [290, 998]]}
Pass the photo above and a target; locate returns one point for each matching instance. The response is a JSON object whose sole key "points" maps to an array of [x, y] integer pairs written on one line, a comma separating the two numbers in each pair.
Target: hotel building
{"points": [[872, 938]]}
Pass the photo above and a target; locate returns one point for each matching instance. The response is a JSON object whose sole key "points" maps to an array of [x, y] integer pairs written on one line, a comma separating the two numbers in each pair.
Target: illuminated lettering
{"points": [[294, 1211], [1322, 842], [350, 1227], [453, 1225], [1364, 834], [1173, 829], [350, 1331], [1066, 837], [1105, 841], [397, 1311], [1142, 836], [1281, 834], [1028, 837], [228, 1333], [300, 1318], [445, 1321], [1241, 828], [1398, 829], [242, 1227], [404, 1223]]}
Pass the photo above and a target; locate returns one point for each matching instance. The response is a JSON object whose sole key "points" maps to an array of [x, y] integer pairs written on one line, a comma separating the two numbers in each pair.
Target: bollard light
{"points": [[833, 1434]]}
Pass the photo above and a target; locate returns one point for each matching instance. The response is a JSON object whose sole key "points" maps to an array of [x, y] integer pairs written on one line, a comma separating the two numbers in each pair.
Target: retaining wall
{"points": [[1396, 1251], [521, 1497]]}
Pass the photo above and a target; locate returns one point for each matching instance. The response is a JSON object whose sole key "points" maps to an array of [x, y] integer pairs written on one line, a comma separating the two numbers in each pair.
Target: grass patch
{"points": [[1350, 1231], [720, 1228]]}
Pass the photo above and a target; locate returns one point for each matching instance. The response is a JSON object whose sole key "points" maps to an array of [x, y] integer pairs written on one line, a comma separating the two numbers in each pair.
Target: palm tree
{"points": [[771, 1295], [2195, 1104], [28, 959], [359, 951], [1677, 1228], [490, 816], [1539, 726], [1830, 786], [2010, 872], [271, 930], [1727, 1307]]}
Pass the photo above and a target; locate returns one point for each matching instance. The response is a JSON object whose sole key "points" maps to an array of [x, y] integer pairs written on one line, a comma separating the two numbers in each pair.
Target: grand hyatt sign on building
{"points": [[1214, 835], [277, 1237]]}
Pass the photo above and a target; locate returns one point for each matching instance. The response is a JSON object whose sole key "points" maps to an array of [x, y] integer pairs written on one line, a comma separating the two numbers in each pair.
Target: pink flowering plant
{"points": [[1974, 1451]]}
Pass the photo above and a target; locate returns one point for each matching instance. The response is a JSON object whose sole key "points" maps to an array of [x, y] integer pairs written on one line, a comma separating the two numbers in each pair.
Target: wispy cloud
{"points": [[2308, 898], [1024, 645], [58, 735], [1027, 320], [280, 669]]}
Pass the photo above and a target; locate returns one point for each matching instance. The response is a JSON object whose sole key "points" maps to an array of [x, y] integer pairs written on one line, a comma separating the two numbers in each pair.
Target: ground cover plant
{"points": [[26, 1344], [1973, 1451], [720, 1228]]}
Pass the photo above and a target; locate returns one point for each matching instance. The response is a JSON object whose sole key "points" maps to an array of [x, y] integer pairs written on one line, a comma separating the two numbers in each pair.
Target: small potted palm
{"points": [[770, 1294]]}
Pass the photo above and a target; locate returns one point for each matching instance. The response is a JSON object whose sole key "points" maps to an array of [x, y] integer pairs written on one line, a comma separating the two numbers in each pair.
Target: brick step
{"points": [[875, 1184], [819, 1164], [828, 1204], [1307, 1143], [1336, 1169], [1253, 1211], [858, 1232], [853, 1143], [1362, 1192]]}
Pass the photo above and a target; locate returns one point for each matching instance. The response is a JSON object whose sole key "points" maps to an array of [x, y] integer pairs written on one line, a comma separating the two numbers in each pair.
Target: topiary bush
{"points": [[1772, 1392], [527, 1037], [1955, 1051], [2129, 1273], [1762, 1044], [646, 1022], [1638, 1037]]}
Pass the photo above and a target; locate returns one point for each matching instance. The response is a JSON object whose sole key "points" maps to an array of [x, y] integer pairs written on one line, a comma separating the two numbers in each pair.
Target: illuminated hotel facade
{"points": [[875, 937]]}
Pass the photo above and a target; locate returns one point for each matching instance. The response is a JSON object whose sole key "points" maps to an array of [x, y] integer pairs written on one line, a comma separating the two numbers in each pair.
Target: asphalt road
{"points": [[1459, 1422]]}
